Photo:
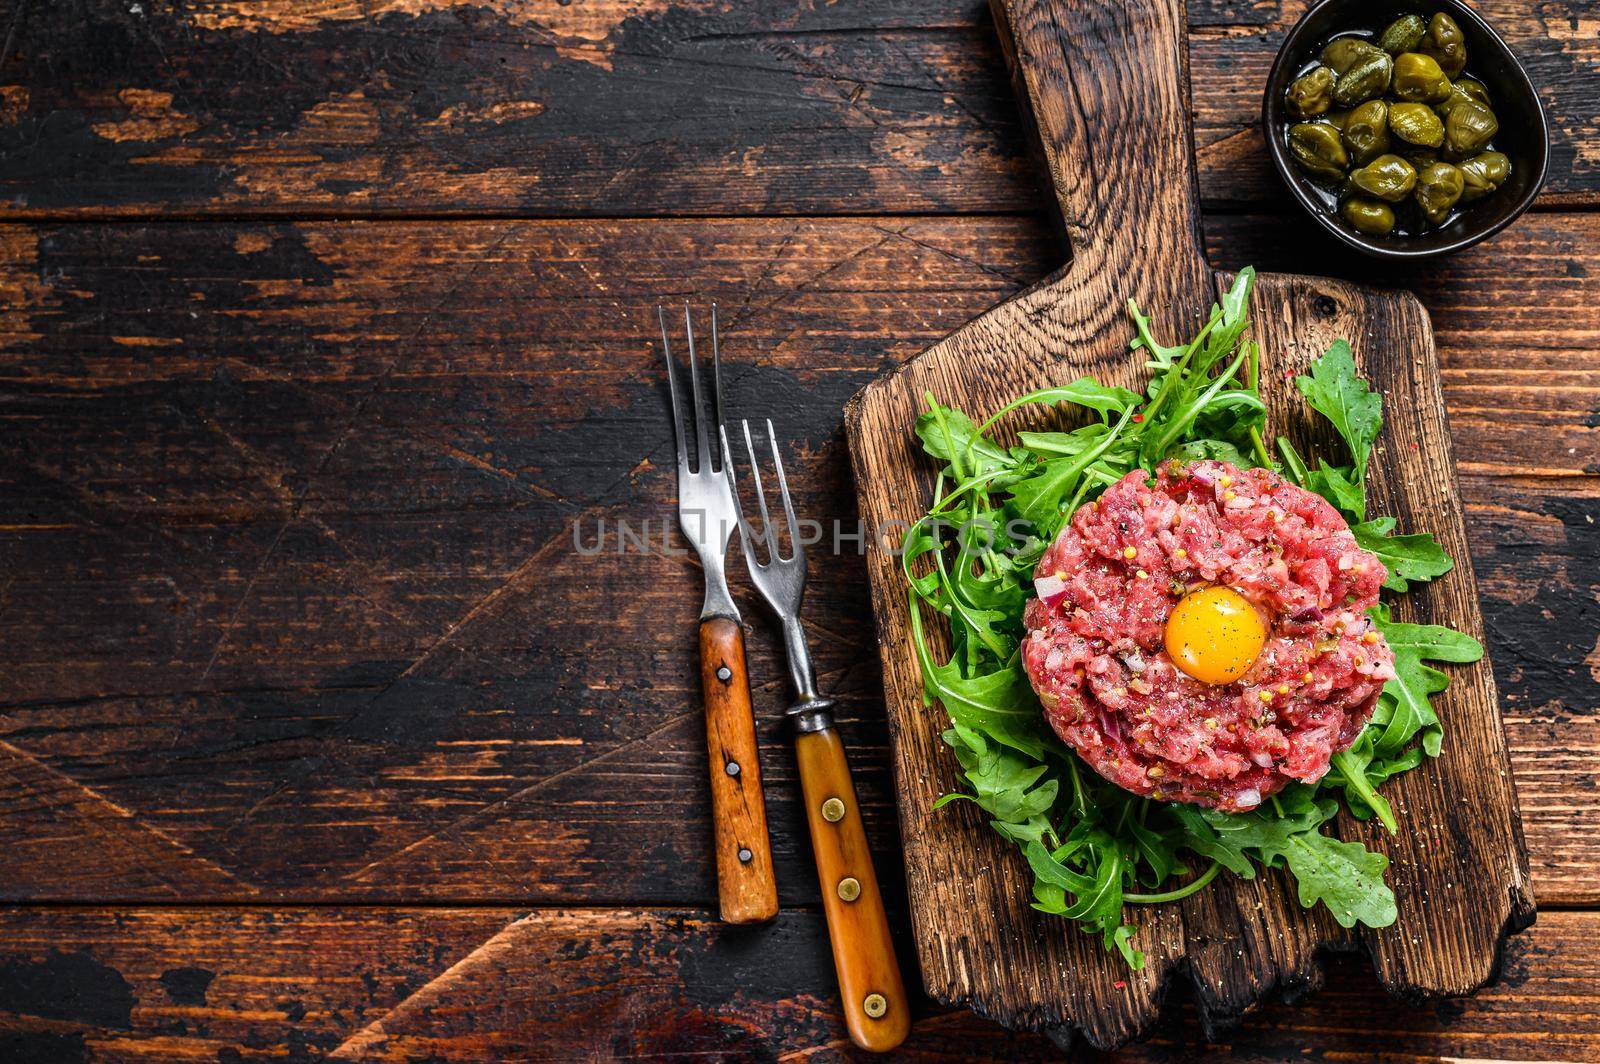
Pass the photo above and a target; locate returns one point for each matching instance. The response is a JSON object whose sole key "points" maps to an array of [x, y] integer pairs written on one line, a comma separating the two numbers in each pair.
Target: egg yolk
{"points": [[1215, 635]]}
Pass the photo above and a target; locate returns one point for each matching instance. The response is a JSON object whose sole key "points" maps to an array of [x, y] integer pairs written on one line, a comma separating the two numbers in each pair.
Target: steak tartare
{"points": [[1098, 644]]}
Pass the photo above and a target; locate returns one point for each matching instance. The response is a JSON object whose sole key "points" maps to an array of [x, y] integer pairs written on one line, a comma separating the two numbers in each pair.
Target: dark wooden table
{"points": [[328, 345]]}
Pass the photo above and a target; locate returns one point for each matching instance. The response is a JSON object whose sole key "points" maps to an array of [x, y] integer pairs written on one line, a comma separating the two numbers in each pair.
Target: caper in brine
{"points": [[1402, 35], [1469, 128], [1388, 177], [1366, 131], [1372, 217], [1317, 149], [1439, 187], [1418, 79], [1474, 88], [1445, 42], [1416, 154], [1342, 53], [1483, 174], [1368, 78], [1311, 94], [1415, 123], [1465, 89]]}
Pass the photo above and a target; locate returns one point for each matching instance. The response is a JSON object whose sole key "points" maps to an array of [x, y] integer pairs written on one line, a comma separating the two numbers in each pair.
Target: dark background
{"points": [[329, 321]]}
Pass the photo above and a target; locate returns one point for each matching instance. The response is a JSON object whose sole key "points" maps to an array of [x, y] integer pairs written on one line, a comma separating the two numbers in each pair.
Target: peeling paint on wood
{"points": [[637, 106]]}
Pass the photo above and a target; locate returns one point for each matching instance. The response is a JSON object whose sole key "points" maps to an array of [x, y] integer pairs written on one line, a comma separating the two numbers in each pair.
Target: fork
{"points": [[877, 1012], [746, 888]]}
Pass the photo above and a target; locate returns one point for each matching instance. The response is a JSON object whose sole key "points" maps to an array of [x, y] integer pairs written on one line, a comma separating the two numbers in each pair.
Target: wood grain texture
{"points": [[621, 108], [467, 985], [1125, 187], [367, 708], [858, 928], [286, 509], [746, 889]]}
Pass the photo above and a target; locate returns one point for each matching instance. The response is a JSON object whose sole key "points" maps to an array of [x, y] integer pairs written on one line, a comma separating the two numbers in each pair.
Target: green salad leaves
{"points": [[1094, 849]]}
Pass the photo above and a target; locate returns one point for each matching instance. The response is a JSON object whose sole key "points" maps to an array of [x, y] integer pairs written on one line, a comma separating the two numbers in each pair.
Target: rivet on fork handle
{"points": [[747, 888], [876, 1008]]}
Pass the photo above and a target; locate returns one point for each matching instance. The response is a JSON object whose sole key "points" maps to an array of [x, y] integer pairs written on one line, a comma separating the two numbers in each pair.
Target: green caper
{"points": [[1474, 88], [1402, 35], [1388, 177], [1368, 78], [1438, 188], [1416, 155], [1464, 90], [1316, 147], [1342, 53], [1372, 217], [1483, 174], [1468, 129], [1418, 79], [1311, 94], [1445, 42], [1366, 131], [1414, 123]]}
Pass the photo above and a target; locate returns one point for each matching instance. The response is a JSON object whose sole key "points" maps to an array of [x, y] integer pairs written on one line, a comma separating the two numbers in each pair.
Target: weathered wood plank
{"points": [[139, 985], [286, 513], [652, 107]]}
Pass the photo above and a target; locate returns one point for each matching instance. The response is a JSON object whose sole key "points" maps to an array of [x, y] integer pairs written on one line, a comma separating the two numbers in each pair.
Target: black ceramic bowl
{"points": [[1524, 135]]}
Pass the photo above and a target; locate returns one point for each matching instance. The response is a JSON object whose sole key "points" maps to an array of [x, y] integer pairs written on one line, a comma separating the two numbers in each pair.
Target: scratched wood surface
{"points": [[612, 106], [287, 506]]}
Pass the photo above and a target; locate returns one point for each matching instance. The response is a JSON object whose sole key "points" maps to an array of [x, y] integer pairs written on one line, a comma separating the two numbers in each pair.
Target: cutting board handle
{"points": [[1107, 85]]}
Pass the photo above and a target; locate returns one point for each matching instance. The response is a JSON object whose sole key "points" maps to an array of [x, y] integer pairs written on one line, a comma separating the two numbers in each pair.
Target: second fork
{"points": [[876, 1010]]}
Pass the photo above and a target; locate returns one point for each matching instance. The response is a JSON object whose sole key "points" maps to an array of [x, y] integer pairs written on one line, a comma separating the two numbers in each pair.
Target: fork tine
{"points": [[716, 374], [767, 530], [703, 454], [746, 535], [796, 550], [672, 388]]}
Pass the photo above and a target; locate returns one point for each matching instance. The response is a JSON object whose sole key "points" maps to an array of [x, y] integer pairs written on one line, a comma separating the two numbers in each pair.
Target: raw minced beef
{"points": [[1095, 649]]}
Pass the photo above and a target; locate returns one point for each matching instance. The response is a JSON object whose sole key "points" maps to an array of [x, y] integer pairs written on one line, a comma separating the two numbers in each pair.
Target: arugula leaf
{"points": [[1404, 702], [1335, 392], [1005, 785], [1345, 877], [1210, 450], [1334, 484], [950, 435], [1416, 557], [1052, 444], [1158, 851], [1294, 467], [1097, 902], [1161, 356], [1352, 768], [1038, 498], [1200, 836], [1000, 704], [1229, 418], [1237, 298], [1085, 391]]}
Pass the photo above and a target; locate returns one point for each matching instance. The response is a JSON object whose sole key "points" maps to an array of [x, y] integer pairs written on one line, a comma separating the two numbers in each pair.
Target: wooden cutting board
{"points": [[1107, 86]]}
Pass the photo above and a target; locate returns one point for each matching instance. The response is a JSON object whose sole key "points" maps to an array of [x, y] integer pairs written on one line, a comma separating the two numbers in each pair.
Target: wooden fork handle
{"points": [[876, 1009], [746, 888]]}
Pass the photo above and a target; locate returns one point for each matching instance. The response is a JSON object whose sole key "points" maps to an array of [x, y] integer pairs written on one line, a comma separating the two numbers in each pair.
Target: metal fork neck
{"points": [[718, 601], [811, 712]]}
